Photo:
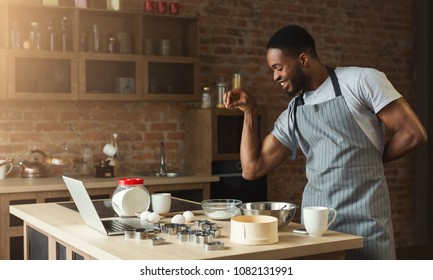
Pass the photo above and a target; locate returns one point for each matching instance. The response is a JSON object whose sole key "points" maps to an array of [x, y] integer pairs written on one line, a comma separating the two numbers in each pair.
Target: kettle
{"points": [[33, 169]]}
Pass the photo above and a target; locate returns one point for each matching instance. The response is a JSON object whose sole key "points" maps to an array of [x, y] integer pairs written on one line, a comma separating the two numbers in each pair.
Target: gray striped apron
{"points": [[345, 171]]}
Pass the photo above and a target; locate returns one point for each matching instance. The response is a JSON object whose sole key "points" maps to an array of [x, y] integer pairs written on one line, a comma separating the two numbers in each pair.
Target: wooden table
{"points": [[41, 190], [65, 228]]}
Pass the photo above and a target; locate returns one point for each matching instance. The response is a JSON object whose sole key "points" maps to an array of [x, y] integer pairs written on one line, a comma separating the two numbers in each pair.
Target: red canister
{"points": [[149, 6], [174, 8], [162, 7]]}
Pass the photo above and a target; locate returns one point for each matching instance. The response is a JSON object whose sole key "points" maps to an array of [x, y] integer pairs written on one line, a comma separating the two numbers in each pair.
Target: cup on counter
{"points": [[316, 219], [161, 202], [6, 166]]}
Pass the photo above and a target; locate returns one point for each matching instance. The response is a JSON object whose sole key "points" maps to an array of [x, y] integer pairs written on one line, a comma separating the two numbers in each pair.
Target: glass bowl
{"points": [[221, 209]]}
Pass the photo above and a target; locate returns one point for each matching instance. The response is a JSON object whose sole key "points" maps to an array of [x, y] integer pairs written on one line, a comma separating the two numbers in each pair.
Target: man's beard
{"points": [[298, 82]]}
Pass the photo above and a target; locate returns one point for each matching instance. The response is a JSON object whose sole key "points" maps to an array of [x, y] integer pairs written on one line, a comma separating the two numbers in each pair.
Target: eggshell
{"points": [[144, 215], [189, 216], [178, 219], [154, 218]]}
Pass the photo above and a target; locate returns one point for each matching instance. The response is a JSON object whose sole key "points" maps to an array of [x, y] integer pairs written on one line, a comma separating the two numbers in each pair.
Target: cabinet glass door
{"points": [[42, 75], [171, 79], [106, 76]]}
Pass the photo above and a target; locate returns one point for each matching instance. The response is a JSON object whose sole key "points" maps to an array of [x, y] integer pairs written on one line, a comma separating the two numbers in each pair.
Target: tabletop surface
{"points": [[66, 224]]}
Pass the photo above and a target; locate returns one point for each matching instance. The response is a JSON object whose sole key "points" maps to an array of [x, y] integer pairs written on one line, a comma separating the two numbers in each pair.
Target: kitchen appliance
{"points": [[232, 185]]}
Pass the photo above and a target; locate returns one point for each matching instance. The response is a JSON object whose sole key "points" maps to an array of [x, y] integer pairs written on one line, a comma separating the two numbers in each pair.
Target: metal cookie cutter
{"points": [[141, 234], [182, 236], [215, 245], [130, 234], [203, 238], [157, 240]]}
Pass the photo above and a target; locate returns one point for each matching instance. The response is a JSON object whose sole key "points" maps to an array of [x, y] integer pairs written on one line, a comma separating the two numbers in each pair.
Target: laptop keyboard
{"points": [[116, 226]]}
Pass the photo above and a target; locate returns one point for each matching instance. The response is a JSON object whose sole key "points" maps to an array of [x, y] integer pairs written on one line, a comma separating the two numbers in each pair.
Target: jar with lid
{"points": [[130, 197], [206, 99]]}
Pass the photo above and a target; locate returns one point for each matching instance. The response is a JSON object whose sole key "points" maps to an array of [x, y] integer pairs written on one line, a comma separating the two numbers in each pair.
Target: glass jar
{"points": [[222, 87], [35, 36], [236, 80], [165, 47], [130, 197], [206, 99]]}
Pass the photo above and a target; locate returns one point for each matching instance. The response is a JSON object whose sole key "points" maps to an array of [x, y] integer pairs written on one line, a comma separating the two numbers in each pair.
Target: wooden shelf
{"points": [[177, 73]]}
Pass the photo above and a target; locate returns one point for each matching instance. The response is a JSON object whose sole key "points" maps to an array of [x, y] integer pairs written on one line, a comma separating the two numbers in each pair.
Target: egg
{"points": [[144, 215], [178, 219], [154, 218], [189, 216]]}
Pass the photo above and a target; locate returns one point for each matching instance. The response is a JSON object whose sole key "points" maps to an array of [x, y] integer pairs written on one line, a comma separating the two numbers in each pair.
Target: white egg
{"points": [[154, 218], [189, 216], [144, 215], [178, 219]]}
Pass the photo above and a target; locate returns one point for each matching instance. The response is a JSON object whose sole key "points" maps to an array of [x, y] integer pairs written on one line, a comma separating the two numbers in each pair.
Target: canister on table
{"points": [[130, 197]]}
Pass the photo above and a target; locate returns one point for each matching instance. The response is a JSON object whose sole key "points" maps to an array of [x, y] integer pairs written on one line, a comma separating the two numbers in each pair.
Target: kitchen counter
{"points": [[19, 185], [65, 227]]}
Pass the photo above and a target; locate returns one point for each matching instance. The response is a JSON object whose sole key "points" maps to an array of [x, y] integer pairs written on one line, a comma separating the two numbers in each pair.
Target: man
{"points": [[338, 121]]}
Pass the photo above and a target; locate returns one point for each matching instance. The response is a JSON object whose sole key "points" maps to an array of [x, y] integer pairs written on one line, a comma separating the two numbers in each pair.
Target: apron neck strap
{"points": [[334, 80]]}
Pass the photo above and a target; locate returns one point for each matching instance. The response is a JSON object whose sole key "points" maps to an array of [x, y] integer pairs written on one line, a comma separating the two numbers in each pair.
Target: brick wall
{"points": [[232, 38]]}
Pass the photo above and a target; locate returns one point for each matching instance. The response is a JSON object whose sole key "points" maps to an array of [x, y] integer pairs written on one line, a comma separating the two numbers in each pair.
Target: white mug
{"points": [[316, 219], [161, 202], [5, 169]]}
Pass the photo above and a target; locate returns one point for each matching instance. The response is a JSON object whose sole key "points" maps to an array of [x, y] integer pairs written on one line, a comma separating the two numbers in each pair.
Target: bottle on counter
{"points": [[15, 36], [206, 99], [66, 38], [52, 36]]}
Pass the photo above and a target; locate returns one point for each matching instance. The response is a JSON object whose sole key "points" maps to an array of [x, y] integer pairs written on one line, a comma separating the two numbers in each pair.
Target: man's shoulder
{"points": [[356, 72]]}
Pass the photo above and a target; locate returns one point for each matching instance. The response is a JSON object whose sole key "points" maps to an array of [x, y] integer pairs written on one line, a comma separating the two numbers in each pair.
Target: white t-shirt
{"points": [[366, 92]]}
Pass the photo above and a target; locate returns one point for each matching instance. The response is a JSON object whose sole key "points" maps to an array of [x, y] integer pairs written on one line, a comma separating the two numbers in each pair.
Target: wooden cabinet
{"points": [[215, 135], [42, 75], [112, 55], [3, 84]]}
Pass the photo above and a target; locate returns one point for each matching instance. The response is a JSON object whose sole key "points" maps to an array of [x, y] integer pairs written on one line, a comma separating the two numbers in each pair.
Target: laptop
{"points": [[107, 226]]}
